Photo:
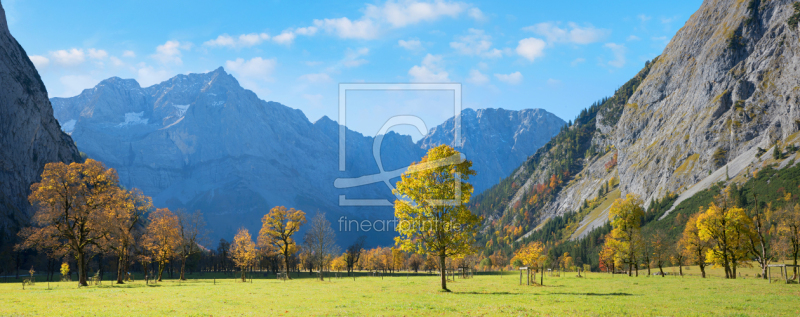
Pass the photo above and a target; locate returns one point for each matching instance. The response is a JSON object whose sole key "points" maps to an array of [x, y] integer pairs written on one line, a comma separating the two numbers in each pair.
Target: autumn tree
{"points": [[70, 209], [192, 230], [243, 251], [353, 253], [693, 246], [661, 249], [163, 237], [533, 256], [606, 258], [277, 229], [123, 227], [789, 230], [724, 227], [759, 233], [626, 219], [320, 240], [433, 215]]}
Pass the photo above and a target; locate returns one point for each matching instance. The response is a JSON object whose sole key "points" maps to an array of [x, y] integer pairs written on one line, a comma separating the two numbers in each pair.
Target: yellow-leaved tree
{"points": [[243, 251], [626, 219], [277, 229], [726, 229], [71, 204], [432, 214], [533, 256], [692, 246], [162, 237]]}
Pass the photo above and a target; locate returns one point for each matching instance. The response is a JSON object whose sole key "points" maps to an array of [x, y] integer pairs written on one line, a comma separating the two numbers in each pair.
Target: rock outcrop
{"points": [[30, 136], [726, 84]]}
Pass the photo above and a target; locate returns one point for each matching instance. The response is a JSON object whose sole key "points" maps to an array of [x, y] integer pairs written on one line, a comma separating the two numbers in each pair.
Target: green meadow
{"points": [[595, 294]]}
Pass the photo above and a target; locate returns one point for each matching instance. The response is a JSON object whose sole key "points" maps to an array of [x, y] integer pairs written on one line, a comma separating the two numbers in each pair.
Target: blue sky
{"points": [[556, 55]]}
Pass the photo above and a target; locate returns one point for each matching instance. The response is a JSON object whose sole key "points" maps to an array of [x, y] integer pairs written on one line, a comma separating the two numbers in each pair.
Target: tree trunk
{"points": [[81, 270], [183, 268], [120, 269], [661, 269], [702, 270], [160, 270], [244, 279], [443, 271], [680, 268]]}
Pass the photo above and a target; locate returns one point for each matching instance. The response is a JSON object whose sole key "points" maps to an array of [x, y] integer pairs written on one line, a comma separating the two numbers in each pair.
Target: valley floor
{"points": [[598, 294]]}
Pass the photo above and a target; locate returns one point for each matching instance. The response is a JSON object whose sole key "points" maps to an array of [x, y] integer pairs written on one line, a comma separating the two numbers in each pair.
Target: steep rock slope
{"points": [[201, 141], [30, 136], [726, 84]]}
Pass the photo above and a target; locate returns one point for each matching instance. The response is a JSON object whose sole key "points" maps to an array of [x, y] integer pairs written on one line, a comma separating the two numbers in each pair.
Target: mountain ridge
{"points": [[201, 141]]}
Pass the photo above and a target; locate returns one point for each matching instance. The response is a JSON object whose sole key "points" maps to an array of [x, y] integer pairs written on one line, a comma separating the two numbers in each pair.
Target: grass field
{"points": [[598, 294]]}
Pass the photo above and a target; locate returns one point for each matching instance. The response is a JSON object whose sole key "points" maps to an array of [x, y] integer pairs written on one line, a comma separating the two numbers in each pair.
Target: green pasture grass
{"points": [[596, 294]]}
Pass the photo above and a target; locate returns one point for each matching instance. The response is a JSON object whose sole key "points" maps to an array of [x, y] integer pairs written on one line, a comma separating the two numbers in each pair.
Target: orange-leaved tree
{"points": [[71, 203], [122, 221], [277, 229], [243, 251], [162, 237]]}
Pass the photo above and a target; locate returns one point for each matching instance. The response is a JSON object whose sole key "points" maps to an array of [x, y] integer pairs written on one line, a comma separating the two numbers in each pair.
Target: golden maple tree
{"points": [[162, 238], [432, 213], [243, 251], [277, 229], [71, 204]]}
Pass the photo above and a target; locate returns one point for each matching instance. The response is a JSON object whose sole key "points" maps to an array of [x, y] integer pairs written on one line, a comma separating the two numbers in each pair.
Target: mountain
{"points": [[201, 141], [29, 134], [723, 92]]}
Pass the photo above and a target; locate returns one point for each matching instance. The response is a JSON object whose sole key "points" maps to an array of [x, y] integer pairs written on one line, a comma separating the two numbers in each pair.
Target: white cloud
{"points": [[316, 78], [75, 84], [285, 38], [411, 45], [618, 50], [346, 29], [244, 40], [511, 79], [392, 14], [129, 54], [633, 38], [70, 57], [307, 31], [476, 43], [314, 99], [97, 54], [531, 48], [643, 18], [39, 61], [148, 76], [170, 52], [116, 61], [403, 13], [477, 78], [476, 14], [572, 34], [577, 61], [255, 68], [352, 58], [430, 70]]}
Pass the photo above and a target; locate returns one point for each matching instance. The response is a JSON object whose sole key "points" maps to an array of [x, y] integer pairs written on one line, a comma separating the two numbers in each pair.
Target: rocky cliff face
{"points": [[726, 83], [200, 141], [30, 136]]}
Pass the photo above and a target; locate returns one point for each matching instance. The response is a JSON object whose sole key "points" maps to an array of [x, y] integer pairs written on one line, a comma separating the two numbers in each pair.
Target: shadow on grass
{"points": [[593, 294], [486, 293]]}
